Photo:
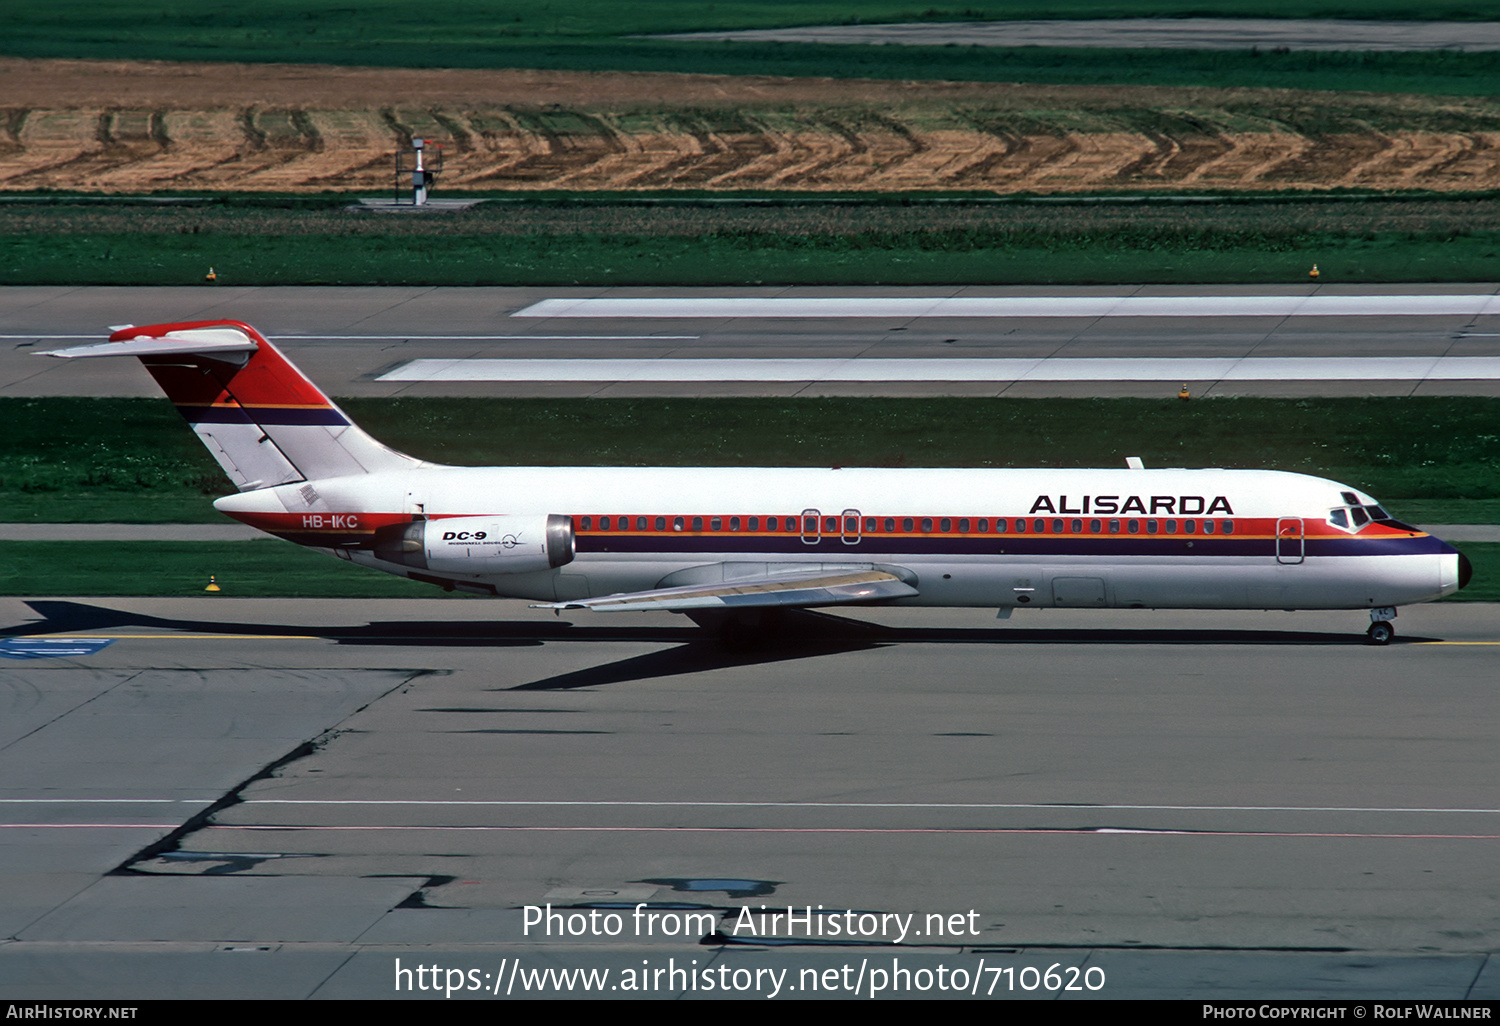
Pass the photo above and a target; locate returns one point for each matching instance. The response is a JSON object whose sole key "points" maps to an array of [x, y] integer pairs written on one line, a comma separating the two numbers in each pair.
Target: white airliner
{"points": [[728, 546]]}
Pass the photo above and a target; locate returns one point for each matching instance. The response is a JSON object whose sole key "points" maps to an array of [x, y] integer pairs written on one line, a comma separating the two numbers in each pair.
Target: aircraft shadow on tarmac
{"points": [[802, 634]]}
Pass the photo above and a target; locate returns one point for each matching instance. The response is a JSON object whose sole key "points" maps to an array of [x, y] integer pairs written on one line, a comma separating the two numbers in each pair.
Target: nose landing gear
{"points": [[1381, 629]]}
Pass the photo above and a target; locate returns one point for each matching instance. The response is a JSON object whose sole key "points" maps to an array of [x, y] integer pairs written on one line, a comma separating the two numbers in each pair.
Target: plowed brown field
{"points": [[137, 127]]}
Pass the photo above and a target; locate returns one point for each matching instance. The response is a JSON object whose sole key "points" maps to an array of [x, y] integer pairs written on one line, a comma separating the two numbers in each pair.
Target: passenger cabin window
{"points": [[1135, 527], [1039, 526], [677, 523], [754, 524], [983, 526], [1151, 526], [587, 524], [1171, 526], [963, 526], [604, 523], [1226, 526], [1208, 527], [1095, 526], [1020, 526], [1077, 527], [1190, 526], [1114, 527], [734, 523]]}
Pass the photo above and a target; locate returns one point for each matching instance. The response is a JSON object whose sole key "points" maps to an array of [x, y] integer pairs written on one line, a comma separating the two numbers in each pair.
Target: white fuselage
{"points": [[1212, 539]]}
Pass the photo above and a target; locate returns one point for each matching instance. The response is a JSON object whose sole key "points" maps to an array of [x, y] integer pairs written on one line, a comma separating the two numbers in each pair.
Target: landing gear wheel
{"points": [[1381, 633]]}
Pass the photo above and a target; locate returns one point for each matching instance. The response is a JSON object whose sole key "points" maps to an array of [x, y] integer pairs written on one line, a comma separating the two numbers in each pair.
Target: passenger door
{"points": [[1289, 542]]}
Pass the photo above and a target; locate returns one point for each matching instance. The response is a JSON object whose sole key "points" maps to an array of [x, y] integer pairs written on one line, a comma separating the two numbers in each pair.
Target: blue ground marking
{"points": [[51, 648]]}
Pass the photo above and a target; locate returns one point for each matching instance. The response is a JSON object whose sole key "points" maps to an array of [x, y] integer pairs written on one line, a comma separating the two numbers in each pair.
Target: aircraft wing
{"points": [[823, 587]]}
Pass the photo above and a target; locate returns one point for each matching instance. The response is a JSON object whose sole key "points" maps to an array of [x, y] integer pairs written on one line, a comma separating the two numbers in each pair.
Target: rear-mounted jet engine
{"points": [[479, 545]]}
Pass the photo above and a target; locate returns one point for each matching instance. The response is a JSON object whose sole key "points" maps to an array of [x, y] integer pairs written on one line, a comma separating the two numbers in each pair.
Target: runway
{"points": [[273, 798], [1139, 341], [1147, 33]]}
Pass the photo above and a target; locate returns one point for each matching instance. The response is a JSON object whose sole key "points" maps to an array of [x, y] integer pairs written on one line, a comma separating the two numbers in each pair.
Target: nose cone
{"points": [[1465, 571]]}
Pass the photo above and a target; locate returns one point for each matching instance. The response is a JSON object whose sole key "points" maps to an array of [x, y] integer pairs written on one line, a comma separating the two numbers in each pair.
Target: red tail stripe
{"points": [[266, 380]]}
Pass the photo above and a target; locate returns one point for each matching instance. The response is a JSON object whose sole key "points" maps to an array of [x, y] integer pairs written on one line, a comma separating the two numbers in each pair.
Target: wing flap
{"points": [[818, 588]]}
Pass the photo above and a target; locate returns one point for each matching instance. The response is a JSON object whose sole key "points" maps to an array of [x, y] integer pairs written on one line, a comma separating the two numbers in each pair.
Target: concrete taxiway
{"points": [[229, 798], [1147, 33], [273, 798], [1148, 341]]}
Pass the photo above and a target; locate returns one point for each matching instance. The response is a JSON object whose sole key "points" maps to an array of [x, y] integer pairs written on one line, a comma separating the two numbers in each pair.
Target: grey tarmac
{"points": [[280, 798], [346, 338], [1148, 33]]}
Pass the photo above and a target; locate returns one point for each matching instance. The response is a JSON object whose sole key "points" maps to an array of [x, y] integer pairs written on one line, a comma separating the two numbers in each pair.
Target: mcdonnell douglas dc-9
{"points": [[731, 546]]}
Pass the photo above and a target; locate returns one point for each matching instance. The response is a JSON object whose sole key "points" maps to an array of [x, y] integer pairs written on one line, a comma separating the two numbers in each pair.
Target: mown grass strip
{"points": [[1433, 459], [563, 240], [164, 569], [273, 568], [730, 260]]}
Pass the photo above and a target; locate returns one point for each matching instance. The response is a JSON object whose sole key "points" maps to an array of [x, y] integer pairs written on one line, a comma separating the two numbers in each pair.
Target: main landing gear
{"points": [[1381, 629]]}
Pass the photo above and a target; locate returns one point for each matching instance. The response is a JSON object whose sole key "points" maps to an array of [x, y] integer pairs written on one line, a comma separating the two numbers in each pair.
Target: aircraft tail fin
{"points": [[262, 419]]}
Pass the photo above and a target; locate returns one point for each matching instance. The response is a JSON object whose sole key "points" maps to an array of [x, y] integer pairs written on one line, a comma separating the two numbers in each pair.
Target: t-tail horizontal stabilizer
{"points": [[264, 422]]}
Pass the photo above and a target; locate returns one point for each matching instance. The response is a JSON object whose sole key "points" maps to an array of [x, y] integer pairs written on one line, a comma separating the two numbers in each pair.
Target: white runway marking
{"points": [[423, 338], [1130, 33], [571, 804], [483, 338], [906, 307], [1397, 368], [1052, 806]]}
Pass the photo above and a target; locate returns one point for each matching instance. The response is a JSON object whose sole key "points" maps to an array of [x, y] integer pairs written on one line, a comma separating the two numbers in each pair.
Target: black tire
{"points": [[1381, 633]]}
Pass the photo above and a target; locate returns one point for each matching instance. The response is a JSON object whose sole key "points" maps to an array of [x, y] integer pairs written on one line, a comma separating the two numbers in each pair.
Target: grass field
{"points": [[1430, 459], [266, 566], [271, 567], [746, 243], [594, 35]]}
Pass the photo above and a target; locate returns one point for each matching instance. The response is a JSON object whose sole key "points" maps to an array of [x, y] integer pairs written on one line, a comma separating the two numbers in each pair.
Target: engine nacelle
{"points": [[479, 545]]}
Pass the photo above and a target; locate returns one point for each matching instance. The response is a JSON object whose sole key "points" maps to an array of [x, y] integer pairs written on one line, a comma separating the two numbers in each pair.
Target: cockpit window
{"points": [[1377, 513], [1360, 517], [1339, 519], [1350, 498]]}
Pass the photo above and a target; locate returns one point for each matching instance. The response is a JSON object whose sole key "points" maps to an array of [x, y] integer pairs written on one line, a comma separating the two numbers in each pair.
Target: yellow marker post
{"points": [[210, 276], [1313, 274], [1184, 394], [213, 585]]}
